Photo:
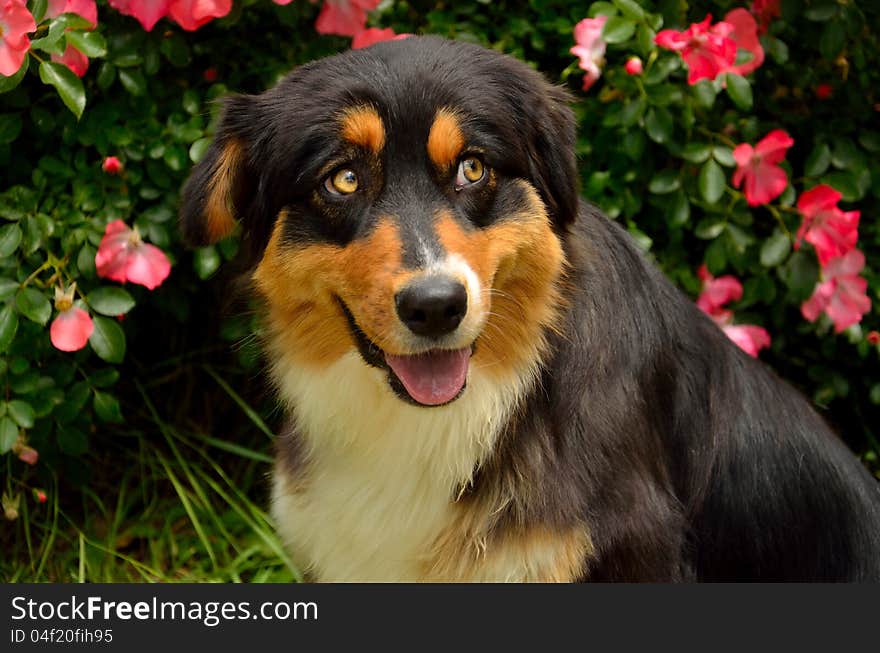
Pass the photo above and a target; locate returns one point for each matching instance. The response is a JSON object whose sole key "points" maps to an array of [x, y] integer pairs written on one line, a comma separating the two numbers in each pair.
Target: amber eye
{"points": [[470, 171], [342, 182]]}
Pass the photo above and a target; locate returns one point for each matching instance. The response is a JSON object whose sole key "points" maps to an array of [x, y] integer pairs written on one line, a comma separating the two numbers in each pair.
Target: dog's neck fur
{"points": [[379, 477]]}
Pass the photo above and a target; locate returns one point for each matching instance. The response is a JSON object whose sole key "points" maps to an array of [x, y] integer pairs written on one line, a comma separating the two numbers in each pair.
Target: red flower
{"points": [[633, 66], [85, 8], [745, 34], [73, 327], [873, 337], [124, 256], [344, 17], [590, 48], [282, 2], [765, 11], [831, 231], [40, 496], [210, 74], [15, 23], [707, 51], [765, 180], [748, 337], [192, 14], [73, 59], [841, 293], [717, 292], [147, 12], [367, 37], [111, 165]]}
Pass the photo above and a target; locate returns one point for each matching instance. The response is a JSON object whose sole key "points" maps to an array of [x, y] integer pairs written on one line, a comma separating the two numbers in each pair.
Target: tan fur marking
{"points": [[219, 219], [363, 126], [520, 264], [445, 140], [302, 285]]}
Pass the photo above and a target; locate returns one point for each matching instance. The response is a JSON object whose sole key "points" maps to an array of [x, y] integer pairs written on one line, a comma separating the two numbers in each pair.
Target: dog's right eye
{"points": [[342, 182]]}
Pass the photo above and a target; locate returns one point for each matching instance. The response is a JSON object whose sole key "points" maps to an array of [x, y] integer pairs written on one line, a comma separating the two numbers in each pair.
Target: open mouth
{"points": [[431, 378]]}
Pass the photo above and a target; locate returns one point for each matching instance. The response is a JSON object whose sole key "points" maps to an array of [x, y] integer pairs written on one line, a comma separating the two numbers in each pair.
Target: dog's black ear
{"points": [[552, 161], [219, 187]]}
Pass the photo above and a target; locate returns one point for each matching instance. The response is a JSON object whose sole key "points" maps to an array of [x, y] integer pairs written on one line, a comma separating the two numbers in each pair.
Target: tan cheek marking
{"points": [[445, 140], [301, 287], [362, 126], [522, 260], [219, 220]]}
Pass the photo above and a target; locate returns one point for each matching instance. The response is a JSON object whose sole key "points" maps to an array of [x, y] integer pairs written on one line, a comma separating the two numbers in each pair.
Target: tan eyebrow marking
{"points": [[363, 126], [220, 220], [445, 140]]}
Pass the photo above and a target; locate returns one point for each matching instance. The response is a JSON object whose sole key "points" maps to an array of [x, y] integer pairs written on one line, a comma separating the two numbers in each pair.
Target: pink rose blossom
{"points": [[633, 66], [745, 35], [590, 48], [707, 51], [85, 8], [282, 2], [765, 11], [841, 293], [344, 17], [15, 24], [371, 35], [123, 256], [73, 327], [192, 14], [28, 455], [748, 337], [717, 292], [758, 166], [73, 59], [831, 231], [147, 12], [111, 165]]}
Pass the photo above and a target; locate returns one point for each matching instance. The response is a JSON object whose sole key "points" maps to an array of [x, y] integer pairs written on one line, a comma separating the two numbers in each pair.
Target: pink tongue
{"points": [[433, 378]]}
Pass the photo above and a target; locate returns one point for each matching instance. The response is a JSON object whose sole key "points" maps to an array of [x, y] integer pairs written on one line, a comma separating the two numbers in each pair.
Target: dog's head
{"points": [[407, 201]]}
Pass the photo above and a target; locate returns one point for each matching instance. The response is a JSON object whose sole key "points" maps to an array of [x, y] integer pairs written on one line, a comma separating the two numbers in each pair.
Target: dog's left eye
{"points": [[470, 171], [342, 182]]}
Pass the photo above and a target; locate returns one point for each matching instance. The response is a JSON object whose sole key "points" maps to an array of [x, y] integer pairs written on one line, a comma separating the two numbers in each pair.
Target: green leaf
{"points": [[846, 183], [108, 340], [630, 9], [818, 161], [21, 412], [679, 210], [800, 274], [775, 249], [821, 12], [33, 305], [104, 377], [778, 50], [618, 29], [8, 326], [133, 81], [665, 181], [91, 44], [52, 41], [206, 261], [9, 83], [724, 156], [8, 435], [110, 300], [704, 92], [10, 238], [711, 181], [658, 124], [10, 127], [709, 228], [107, 407], [69, 86], [832, 39], [175, 50], [197, 150], [740, 91], [696, 152], [38, 9], [106, 75]]}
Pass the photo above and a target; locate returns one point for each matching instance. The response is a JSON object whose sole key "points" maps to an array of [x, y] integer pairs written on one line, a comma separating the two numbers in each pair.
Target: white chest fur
{"points": [[379, 476]]}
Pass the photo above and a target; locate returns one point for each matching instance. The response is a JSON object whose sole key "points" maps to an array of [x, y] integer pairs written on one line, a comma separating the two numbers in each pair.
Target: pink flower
{"points": [[745, 35], [748, 337], [192, 14], [633, 66], [73, 59], [831, 231], [85, 8], [344, 17], [28, 455], [707, 51], [73, 327], [15, 24], [40, 495], [717, 292], [841, 293], [765, 11], [367, 37], [590, 48], [147, 12], [282, 2], [123, 256], [111, 165], [873, 337], [765, 180]]}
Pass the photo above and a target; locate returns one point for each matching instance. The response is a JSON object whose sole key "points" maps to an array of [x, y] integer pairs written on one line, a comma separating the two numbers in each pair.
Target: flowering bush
{"points": [[737, 142]]}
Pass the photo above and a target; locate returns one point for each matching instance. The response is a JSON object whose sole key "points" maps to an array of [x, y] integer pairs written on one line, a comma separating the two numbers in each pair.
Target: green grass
{"points": [[168, 501]]}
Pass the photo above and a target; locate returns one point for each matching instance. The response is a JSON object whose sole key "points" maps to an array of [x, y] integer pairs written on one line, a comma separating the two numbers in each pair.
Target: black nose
{"points": [[432, 306]]}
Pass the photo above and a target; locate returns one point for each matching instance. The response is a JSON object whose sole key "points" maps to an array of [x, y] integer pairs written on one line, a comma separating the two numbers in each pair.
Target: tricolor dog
{"points": [[484, 378]]}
